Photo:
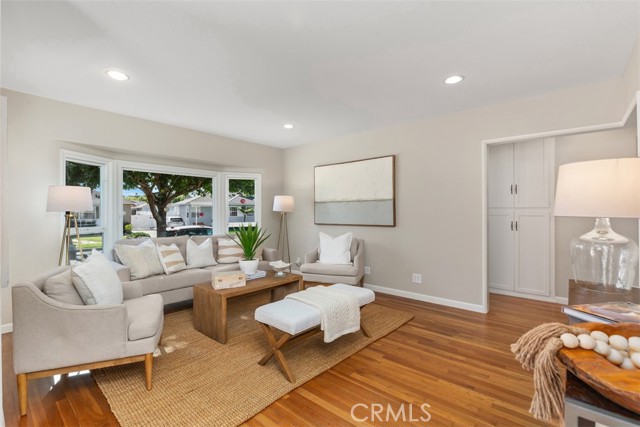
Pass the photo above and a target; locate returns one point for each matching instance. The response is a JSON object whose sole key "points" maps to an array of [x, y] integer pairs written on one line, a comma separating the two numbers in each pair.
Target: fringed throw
{"points": [[536, 350]]}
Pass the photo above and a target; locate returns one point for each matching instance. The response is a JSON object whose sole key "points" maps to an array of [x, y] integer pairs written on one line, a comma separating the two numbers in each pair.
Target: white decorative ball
{"points": [[627, 364], [600, 336], [569, 340], [586, 341], [602, 348], [634, 343], [635, 358], [618, 342], [615, 357]]}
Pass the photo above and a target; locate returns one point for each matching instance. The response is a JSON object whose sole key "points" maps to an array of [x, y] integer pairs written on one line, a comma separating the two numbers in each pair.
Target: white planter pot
{"points": [[250, 266]]}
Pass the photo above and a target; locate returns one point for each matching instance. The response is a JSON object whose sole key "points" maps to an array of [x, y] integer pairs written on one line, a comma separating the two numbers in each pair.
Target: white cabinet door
{"points": [[532, 243], [500, 176], [531, 171], [501, 250]]}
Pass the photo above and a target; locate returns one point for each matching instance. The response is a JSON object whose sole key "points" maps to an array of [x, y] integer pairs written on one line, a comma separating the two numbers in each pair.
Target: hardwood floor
{"points": [[456, 362]]}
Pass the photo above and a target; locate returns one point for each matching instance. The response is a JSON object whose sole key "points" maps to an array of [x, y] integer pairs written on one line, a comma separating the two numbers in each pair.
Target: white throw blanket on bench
{"points": [[339, 311]]}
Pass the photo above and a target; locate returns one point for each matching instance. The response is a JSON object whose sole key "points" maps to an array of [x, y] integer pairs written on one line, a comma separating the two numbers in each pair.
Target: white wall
{"points": [[577, 148], [438, 186], [39, 127]]}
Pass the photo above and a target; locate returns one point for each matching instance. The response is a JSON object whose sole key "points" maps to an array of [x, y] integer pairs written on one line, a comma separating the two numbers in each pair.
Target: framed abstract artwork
{"points": [[360, 192]]}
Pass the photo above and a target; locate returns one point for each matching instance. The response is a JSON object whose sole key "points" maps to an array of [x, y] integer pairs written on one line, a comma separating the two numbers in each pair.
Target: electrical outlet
{"points": [[416, 278], [367, 269]]}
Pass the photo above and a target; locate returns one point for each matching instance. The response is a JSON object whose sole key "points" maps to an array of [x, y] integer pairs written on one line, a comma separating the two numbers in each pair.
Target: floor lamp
{"points": [[69, 199], [283, 204], [602, 259]]}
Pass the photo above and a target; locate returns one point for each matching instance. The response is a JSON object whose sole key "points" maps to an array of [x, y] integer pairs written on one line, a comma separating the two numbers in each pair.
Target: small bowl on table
{"points": [[279, 267]]}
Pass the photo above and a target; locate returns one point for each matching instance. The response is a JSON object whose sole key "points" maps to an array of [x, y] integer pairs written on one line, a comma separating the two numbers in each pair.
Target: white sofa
{"points": [[178, 286]]}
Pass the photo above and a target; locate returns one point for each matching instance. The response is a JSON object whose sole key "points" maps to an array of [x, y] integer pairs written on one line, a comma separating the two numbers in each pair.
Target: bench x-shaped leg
{"points": [[276, 346]]}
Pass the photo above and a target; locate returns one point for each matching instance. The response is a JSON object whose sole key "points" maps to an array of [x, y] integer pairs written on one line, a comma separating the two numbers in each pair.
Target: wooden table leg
{"points": [[219, 309]]}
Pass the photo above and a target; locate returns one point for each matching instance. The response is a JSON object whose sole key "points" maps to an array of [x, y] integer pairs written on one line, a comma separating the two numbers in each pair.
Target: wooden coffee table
{"points": [[210, 305]]}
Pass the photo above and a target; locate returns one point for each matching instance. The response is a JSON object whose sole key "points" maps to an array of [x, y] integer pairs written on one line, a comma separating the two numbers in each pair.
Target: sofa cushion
{"points": [[171, 259], [330, 269], [144, 315], [200, 255], [141, 259], [96, 281], [182, 279], [335, 250], [60, 288], [180, 241], [228, 251]]}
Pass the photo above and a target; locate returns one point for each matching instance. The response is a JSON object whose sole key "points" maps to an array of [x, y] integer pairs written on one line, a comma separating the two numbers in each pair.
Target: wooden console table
{"points": [[210, 305]]}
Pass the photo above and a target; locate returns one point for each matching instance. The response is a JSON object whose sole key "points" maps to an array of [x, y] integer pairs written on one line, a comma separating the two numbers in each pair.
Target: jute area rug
{"points": [[199, 382]]}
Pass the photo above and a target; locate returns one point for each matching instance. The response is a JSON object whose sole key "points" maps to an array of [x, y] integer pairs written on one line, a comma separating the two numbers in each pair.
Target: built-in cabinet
{"points": [[519, 215]]}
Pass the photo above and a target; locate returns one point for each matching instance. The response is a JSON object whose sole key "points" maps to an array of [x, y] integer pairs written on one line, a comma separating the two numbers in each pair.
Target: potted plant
{"points": [[249, 238]]}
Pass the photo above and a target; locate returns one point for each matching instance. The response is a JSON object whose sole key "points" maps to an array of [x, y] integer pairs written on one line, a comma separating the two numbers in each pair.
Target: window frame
{"points": [[257, 206], [106, 200], [169, 170]]}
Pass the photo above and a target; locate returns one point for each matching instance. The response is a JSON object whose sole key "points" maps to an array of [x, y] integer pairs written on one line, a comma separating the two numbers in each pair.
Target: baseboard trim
{"points": [[556, 300], [6, 328], [427, 298]]}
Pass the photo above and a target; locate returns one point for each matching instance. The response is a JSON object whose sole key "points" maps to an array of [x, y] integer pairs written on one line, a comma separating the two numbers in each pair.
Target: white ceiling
{"points": [[242, 69]]}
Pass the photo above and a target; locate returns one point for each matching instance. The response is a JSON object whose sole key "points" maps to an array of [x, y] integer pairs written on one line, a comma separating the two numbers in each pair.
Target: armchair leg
{"points": [[148, 368], [22, 393]]}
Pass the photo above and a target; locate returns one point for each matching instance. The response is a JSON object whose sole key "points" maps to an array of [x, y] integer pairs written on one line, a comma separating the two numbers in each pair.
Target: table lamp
{"points": [[602, 259], [69, 199]]}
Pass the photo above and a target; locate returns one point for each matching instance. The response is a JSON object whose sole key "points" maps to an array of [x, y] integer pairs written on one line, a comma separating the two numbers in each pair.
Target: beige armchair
{"points": [[51, 337], [350, 274]]}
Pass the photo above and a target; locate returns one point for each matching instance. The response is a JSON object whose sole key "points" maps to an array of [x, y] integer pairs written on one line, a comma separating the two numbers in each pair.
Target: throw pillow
{"points": [[142, 259], [171, 258], [229, 251], [335, 250], [60, 288], [200, 255], [96, 281]]}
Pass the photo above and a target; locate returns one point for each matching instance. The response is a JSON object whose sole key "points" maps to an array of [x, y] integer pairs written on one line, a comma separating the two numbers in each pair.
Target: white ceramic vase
{"points": [[249, 266]]}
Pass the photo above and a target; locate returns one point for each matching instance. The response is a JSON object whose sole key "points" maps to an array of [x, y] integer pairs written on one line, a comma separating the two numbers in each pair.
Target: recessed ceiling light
{"points": [[288, 126], [453, 80], [117, 75]]}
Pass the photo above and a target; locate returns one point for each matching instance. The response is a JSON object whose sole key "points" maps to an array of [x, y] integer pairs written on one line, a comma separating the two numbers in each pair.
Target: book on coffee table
{"points": [[606, 312], [257, 275]]}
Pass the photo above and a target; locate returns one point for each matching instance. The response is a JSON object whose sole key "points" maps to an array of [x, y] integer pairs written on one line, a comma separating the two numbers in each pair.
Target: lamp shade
{"points": [[283, 204], [600, 189], [63, 198]]}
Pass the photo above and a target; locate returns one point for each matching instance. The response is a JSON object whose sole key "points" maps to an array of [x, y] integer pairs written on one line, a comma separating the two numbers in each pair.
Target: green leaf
{"points": [[249, 238]]}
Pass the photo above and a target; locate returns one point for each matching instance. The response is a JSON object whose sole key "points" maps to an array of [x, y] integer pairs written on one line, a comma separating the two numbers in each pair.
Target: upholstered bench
{"points": [[295, 319]]}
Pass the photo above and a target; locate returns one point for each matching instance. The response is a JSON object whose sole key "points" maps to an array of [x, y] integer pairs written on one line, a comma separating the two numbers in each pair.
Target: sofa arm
{"points": [[124, 272], [311, 257], [270, 254], [48, 334], [358, 260], [131, 290]]}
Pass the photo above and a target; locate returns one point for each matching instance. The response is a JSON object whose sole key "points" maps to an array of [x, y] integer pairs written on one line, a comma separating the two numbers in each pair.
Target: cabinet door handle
{"points": [[516, 225], [511, 188], [511, 225], [516, 188]]}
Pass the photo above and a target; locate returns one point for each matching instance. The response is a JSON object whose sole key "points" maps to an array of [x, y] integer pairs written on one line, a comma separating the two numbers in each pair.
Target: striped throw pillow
{"points": [[171, 258], [228, 251]]}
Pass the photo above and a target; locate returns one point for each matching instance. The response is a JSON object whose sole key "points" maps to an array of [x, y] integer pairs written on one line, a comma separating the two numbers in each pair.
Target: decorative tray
{"points": [[616, 384]]}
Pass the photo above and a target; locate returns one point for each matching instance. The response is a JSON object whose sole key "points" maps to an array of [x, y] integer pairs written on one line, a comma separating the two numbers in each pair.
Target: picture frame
{"points": [[358, 192]]}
